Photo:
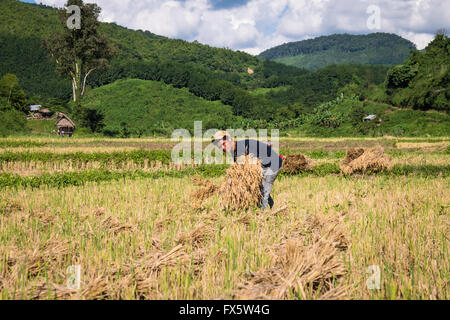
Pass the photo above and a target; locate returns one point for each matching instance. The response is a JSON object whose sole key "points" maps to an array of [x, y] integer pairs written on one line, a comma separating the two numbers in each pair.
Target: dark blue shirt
{"points": [[260, 150]]}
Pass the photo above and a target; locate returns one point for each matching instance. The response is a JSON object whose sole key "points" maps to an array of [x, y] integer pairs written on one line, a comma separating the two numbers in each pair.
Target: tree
{"points": [[7, 84], [11, 91], [423, 81], [79, 52], [91, 118], [400, 76], [124, 132]]}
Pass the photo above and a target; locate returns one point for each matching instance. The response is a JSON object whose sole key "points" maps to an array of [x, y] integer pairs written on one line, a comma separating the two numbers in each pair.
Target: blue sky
{"points": [[256, 25]]}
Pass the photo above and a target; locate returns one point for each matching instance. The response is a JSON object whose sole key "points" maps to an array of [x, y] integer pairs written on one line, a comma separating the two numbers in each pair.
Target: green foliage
{"points": [[321, 154], [149, 107], [79, 52], [424, 81], [24, 57], [415, 123], [104, 158], [12, 93], [314, 54], [400, 76], [12, 122], [287, 102], [23, 25], [60, 180], [12, 106], [21, 144], [41, 127], [89, 118], [313, 89], [326, 116], [22, 28], [344, 117], [200, 81], [356, 115], [420, 170]]}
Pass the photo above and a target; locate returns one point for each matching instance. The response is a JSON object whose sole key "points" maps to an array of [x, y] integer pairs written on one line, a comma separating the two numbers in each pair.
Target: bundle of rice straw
{"points": [[242, 186], [298, 163], [240, 190], [361, 160], [353, 154]]}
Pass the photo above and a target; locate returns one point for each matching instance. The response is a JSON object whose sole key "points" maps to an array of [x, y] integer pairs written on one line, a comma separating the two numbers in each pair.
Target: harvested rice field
{"points": [[345, 225]]}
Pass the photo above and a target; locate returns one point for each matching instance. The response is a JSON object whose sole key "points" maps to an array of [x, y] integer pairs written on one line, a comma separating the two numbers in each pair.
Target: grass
{"points": [[43, 128], [136, 235]]}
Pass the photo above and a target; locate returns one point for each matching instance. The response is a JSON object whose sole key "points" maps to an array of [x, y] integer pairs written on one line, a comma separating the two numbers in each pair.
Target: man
{"points": [[271, 162]]}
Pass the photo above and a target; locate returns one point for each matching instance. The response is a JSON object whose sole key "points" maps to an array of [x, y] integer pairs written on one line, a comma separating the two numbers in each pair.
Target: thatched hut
{"points": [[65, 125], [46, 113]]}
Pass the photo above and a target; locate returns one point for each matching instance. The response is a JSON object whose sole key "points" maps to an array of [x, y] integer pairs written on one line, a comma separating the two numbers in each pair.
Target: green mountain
{"points": [[314, 54], [155, 84], [24, 25], [150, 107], [208, 72], [312, 89]]}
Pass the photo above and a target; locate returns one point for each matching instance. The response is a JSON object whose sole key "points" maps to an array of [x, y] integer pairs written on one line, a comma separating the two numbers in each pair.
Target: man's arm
{"points": [[260, 150]]}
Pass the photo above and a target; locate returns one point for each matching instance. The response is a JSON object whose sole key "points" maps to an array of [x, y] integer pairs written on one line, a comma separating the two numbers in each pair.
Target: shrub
{"points": [[12, 122]]}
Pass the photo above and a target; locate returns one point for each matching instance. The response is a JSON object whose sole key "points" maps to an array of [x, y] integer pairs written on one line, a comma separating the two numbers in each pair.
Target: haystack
{"points": [[298, 163], [361, 160], [240, 190], [242, 186]]}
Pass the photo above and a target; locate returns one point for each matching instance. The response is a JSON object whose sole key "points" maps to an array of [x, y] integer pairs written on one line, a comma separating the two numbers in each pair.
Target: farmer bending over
{"points": [[270, 161]]}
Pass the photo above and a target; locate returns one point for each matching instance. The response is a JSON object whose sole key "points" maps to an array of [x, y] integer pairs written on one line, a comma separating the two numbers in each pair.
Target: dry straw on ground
{"points": [[240, 190], [208, 190], [364, 160], [298, 163], [307, 265]]}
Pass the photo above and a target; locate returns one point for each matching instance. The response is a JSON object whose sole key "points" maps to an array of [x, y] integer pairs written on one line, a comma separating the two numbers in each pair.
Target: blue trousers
{"points": [[269, 177]]}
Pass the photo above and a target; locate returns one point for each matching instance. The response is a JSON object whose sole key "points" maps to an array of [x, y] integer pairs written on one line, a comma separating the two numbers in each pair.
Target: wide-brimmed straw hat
{"points": [[220, 135]]}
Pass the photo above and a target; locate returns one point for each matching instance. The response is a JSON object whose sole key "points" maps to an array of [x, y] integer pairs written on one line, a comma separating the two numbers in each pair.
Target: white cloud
{"points": [[420, 39], [260, 24], [303, 17]]}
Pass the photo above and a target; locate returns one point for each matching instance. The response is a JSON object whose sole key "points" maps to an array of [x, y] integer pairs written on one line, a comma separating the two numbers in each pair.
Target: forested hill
{"points": [[24, 25], [185, 81], [313, 54]]}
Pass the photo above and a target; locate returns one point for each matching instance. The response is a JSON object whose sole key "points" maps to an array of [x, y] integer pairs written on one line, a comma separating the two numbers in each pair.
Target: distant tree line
{"points": [[342, 43]]}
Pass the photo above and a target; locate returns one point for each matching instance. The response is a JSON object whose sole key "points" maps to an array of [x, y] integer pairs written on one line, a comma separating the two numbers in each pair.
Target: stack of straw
{"points": [[295, 164], [240, 190], [242, 186], [361, 160]]}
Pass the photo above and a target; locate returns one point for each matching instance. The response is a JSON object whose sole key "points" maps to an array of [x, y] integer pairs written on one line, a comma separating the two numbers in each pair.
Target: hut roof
{"points": [[64, 121], [46, 110]]}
